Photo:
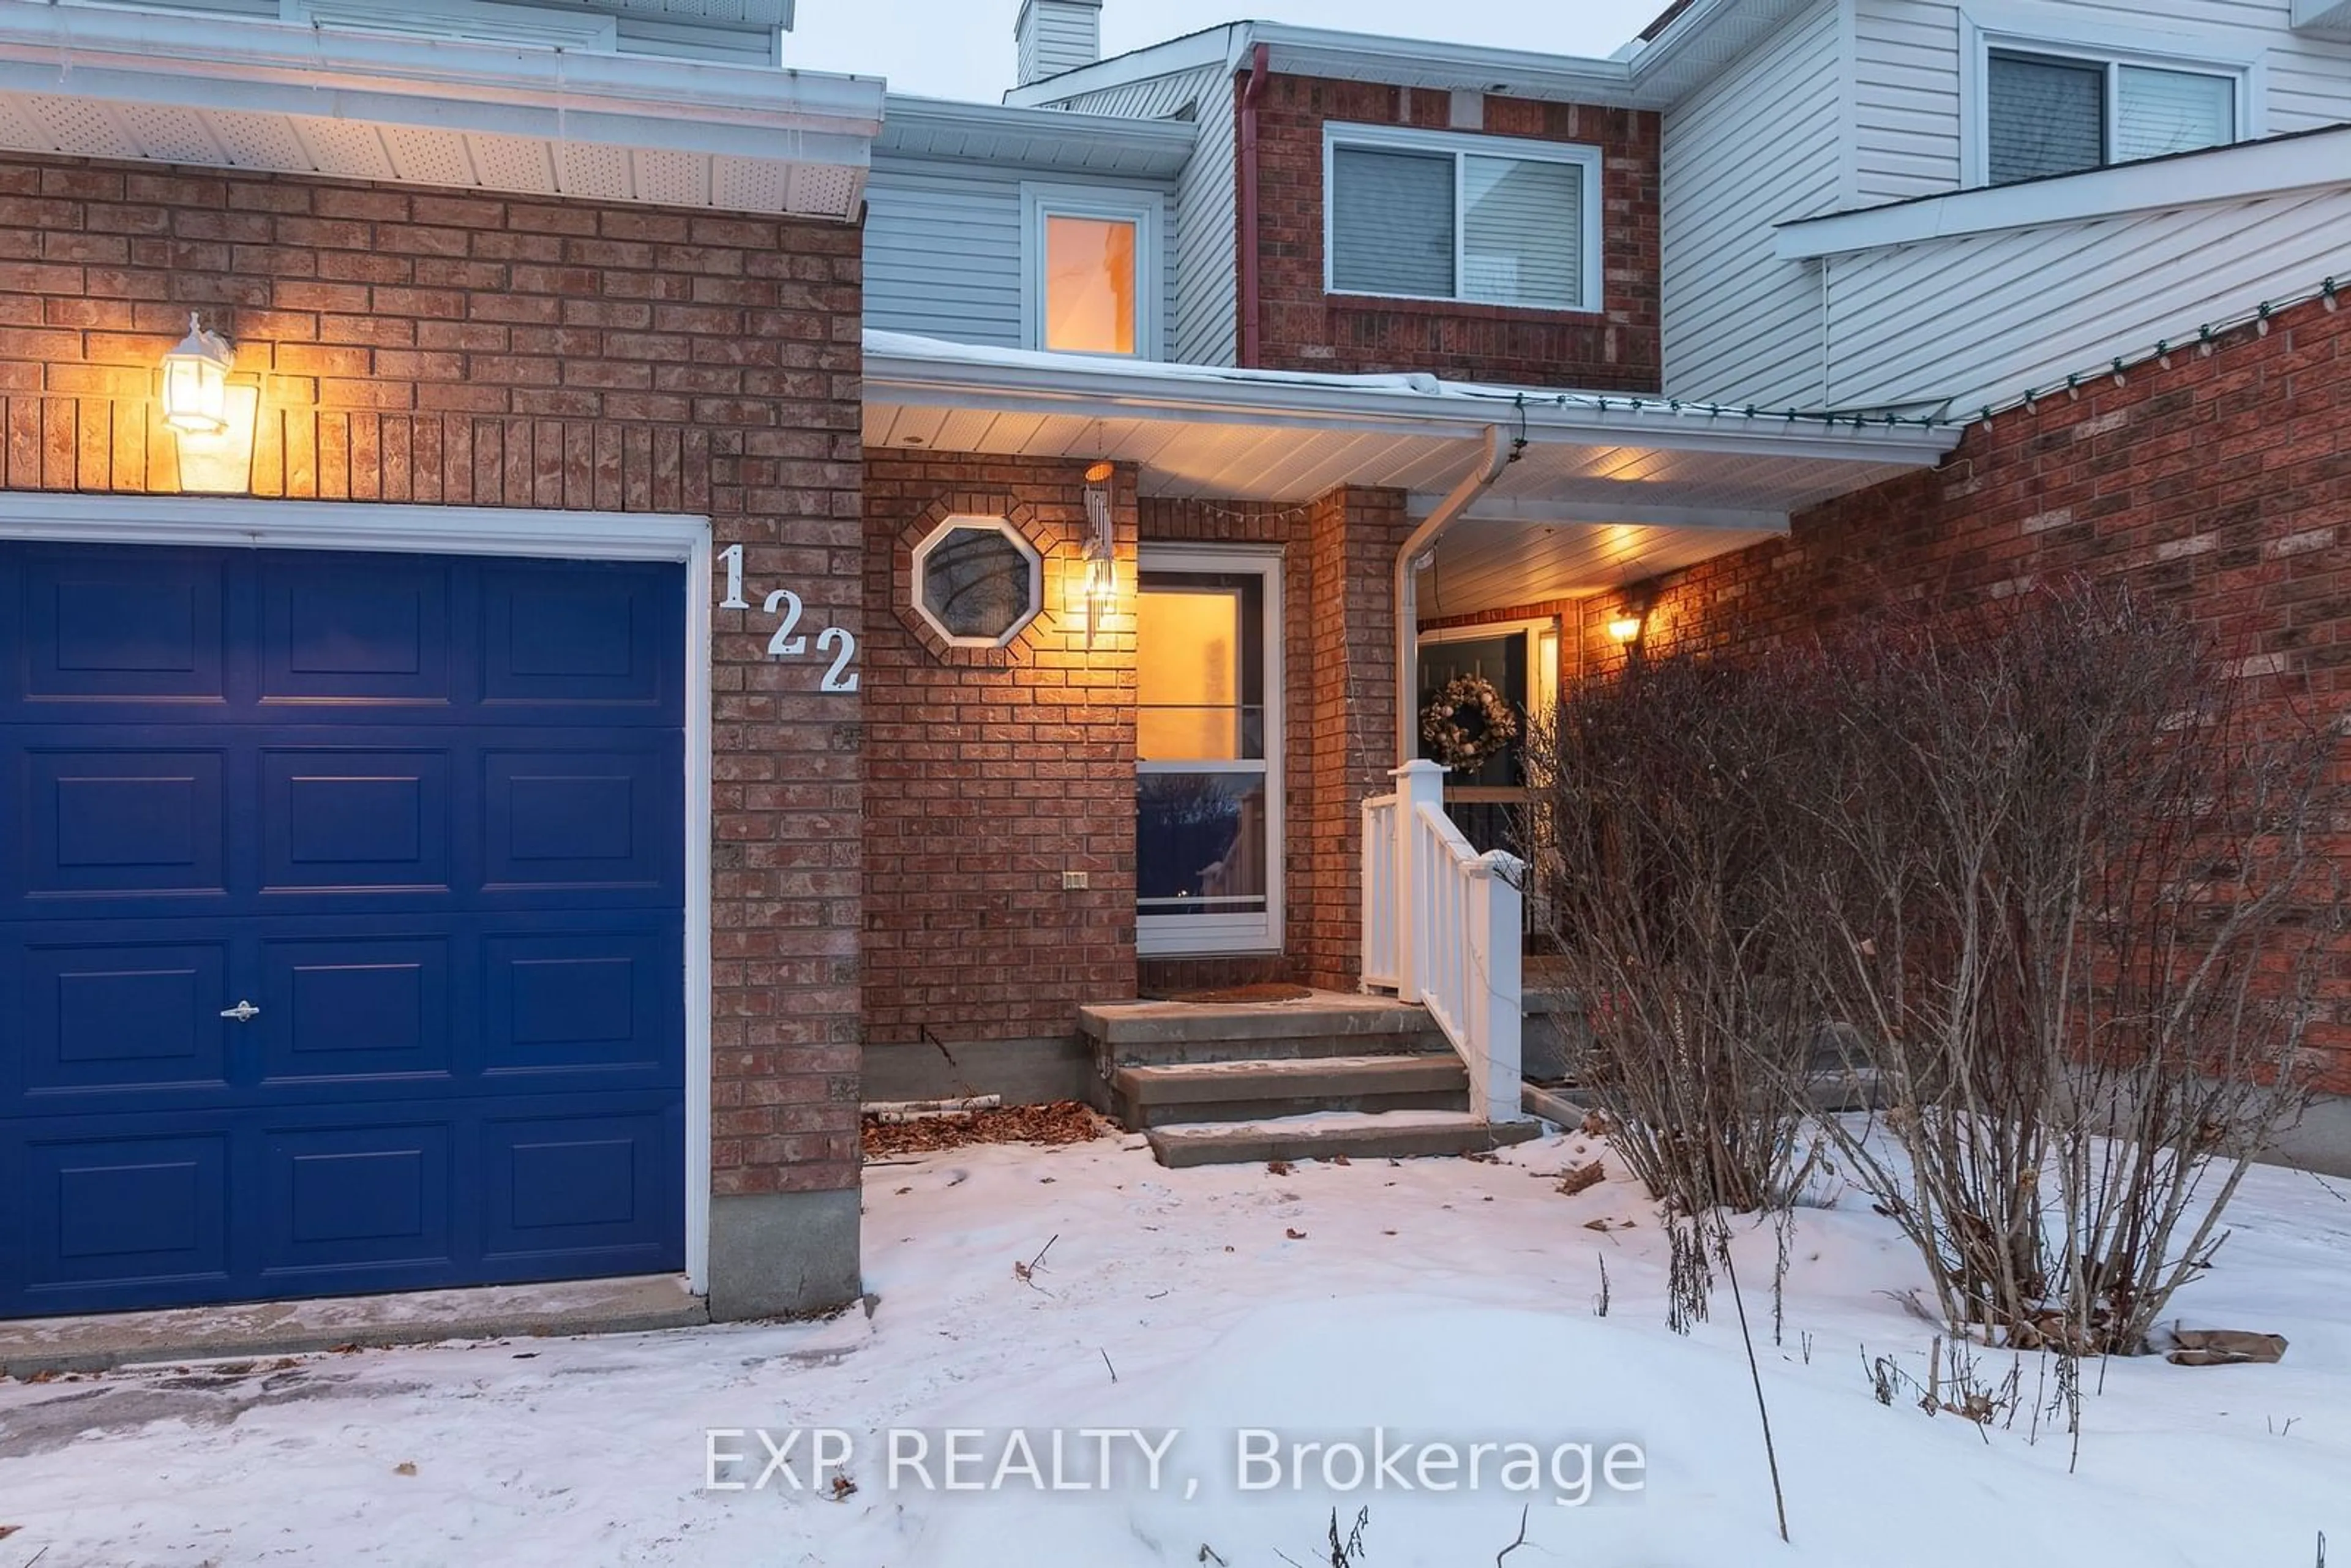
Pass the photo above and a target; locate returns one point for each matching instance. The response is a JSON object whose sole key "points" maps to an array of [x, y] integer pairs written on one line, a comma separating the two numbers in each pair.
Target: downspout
{"points": [[1260, 59], [1500, 453]]}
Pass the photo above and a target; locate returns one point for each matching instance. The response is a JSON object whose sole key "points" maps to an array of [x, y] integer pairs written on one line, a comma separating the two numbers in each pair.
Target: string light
{"points": [[2210, 337]]}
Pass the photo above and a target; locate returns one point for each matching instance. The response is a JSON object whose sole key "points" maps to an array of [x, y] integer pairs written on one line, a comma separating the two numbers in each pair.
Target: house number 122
{"points": [[789, 641]]}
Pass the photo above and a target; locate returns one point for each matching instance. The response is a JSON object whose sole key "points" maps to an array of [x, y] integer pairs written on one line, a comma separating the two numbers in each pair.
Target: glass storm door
{"points": [[1207, 745]]}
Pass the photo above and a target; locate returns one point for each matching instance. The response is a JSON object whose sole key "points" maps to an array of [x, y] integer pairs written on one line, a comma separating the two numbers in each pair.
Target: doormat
{"points": [[1264, 991]]}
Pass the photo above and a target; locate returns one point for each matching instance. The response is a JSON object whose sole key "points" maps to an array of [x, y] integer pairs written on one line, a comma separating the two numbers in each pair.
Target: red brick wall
{"points": [[994, 770], [420, 346], [2219, 486], [1614, 349]]}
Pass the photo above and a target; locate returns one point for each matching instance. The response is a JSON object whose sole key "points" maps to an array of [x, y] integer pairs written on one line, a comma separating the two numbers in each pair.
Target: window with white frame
{"points": [[1091, 264], [1486, 220], [2060, 110]]}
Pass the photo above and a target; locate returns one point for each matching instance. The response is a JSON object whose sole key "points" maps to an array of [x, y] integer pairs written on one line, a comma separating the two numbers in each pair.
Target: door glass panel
{"points": [[1089, 284], [1200, 693], [1503, 662], [1200, 844], [1203, 643]]}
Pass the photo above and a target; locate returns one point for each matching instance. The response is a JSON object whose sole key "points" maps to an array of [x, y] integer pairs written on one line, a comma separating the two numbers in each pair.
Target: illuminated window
{"points": [[1091, 260], [1089, 284]]}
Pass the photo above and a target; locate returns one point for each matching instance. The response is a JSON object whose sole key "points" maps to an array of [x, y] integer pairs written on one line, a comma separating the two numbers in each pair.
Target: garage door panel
{"points": [[583, 1184], [126, 1213], [364, 1008], [356, 627], [124, 625], [340, 1198], [586, 636], [118, 1018], [125, 821], [563, 819], [355, 820], [598, 1005], [424, 813]]}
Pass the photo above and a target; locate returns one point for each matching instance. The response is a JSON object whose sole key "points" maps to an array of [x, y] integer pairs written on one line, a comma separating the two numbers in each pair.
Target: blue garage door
{"points": [[341, 923]]}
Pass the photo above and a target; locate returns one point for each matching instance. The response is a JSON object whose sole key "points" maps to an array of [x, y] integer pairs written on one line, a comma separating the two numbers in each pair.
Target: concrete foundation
{"points": [[782, 1254], [2320, 1140], [1023, 1072], [93, 1341]]}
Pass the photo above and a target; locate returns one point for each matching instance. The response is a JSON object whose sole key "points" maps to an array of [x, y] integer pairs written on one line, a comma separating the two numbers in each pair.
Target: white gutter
{"points": [[1092, 141], [921, 373], [1499, 454]]}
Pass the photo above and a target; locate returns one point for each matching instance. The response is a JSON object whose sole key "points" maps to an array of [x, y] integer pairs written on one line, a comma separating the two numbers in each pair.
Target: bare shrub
{"points": [[2060, 878], [1658, 794], [2048, 873]]}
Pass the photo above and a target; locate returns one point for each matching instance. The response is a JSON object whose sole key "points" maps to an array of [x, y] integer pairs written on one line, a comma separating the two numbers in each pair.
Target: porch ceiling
{"points": [[1604, 491], [1484, 563]]}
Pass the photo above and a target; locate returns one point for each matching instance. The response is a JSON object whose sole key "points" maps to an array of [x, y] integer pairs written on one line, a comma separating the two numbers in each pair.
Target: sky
{"points": [[963, 48]]}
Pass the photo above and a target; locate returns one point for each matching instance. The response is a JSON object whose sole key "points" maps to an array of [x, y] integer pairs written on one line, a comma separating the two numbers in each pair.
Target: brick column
{"points": [[1353, 534]]}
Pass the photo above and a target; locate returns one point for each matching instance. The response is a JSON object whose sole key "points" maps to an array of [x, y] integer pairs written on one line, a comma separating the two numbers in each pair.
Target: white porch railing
{"points": [[1441, 927]]}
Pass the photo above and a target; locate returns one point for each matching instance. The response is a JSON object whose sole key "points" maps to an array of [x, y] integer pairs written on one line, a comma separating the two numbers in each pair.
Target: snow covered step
{"points": [[1390, 1134], [1253, 1090], [1328, 1023]]}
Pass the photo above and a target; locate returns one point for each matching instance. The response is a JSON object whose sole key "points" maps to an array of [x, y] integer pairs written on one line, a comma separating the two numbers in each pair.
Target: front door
{"points": [[1208, 749]]}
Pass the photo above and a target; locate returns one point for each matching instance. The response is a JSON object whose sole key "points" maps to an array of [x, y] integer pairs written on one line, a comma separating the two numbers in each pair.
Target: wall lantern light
{"points": [[1624, 628], [1101, 578], [195, 382]]}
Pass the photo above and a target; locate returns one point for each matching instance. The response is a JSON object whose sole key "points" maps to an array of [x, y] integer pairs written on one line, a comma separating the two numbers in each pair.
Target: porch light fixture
{"points": [[1100, 580], [1624, 628], [195, 382]]}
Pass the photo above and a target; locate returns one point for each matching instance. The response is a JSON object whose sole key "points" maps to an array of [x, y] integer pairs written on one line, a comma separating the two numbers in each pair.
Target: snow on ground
{"points": [[1445, 1302]]}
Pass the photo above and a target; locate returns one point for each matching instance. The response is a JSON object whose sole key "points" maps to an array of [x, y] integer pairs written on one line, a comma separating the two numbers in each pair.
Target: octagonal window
{"points": [[978, 581]]}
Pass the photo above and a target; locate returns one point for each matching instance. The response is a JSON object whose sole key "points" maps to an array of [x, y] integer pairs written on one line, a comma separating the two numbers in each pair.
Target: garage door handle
{"points": [[244, 1012]]}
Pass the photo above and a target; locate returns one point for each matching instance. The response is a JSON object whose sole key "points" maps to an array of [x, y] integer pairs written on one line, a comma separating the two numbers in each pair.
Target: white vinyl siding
{"points": [[1203, 321], [1485, 220], [944, 243], [1054, 38], [1756, 146], [1907, 73], [2029, 306]]}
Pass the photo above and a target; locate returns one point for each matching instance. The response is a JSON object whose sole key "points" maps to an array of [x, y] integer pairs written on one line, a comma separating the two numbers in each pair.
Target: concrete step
{"points": [[1391, 1134], [1154, 1034], [1264, 1089]]}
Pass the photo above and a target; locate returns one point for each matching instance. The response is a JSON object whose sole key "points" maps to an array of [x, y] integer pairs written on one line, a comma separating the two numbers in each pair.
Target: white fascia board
{"points": [[1042, 384], [2246, 172], [233, 63], [1470, 68], [1040, 138]]}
